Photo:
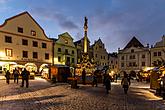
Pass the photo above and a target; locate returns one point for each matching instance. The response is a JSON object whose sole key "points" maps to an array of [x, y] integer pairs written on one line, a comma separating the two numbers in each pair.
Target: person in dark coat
{"points": [[16, 75], [7, 76], [108, 83], [25, 77], [94, 82], [83, 76]]}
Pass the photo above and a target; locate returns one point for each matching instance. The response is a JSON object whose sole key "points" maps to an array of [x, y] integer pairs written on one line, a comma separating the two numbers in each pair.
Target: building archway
{"points": [[31, 67]]}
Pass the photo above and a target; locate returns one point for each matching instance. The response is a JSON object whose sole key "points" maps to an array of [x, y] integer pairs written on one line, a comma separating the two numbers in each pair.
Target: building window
{"points": [[46, 56], [122, 58], [143, 64], [35, 44], [104, 57], [8, 39], [8, 52], [66, 41], [122, 64], [100, 46], [66, 51], [20, 30], [130, 57], [101, 57], [143, 56], [44, 45], [130, 64], [111, 62], [35, 55], [134, 63], [72, 60], [33, 33], [59, 49], [132, 50], [59, 59], [72, 51], [155, 53], [159, 54], [24, 42], [25, 54]]}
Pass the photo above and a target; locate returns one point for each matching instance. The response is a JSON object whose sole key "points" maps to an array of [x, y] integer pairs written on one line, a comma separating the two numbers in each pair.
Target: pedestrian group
{"points": [[16, 75]]}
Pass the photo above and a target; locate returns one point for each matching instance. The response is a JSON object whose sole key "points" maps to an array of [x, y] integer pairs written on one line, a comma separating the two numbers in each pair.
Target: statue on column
{"points": [[86, 23]]}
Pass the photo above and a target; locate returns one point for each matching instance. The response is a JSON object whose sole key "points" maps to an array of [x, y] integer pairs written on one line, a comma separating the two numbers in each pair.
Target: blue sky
{"points": [[114, 21]]}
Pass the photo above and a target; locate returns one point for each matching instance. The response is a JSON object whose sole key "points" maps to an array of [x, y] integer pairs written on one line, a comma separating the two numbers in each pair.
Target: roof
{"points": [[134, 42], [23, 13]]}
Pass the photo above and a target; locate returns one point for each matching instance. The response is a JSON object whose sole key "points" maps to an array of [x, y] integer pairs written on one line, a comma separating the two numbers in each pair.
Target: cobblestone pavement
{"points": [[41, 95]]}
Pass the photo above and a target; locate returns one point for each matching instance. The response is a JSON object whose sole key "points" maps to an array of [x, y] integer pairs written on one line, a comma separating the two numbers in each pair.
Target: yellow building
{"points": [[23, 44], [65, 52]]}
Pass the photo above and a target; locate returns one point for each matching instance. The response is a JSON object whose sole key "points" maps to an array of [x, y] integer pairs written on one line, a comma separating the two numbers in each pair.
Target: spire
{"points": [[85, 34]]}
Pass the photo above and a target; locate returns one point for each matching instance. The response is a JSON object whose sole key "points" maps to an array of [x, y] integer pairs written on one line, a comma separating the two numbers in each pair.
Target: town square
{"points": [[82, 55]]}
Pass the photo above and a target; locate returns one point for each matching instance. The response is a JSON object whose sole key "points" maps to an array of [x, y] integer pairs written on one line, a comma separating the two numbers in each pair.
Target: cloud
{"points": [[64, 21], [144, 19]]}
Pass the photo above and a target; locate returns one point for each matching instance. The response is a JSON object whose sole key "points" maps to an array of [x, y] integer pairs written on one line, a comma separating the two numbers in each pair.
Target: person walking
{"points": [[94, 82], [25, 77], [7, 77], [16, 75], [125, 82], [108, 83]]}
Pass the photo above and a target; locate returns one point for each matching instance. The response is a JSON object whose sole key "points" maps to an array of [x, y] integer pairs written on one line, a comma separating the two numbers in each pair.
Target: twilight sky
{"points": [[114, 21]]}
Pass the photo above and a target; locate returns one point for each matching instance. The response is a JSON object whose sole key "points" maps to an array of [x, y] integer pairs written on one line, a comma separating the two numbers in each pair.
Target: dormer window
{"points": [[66, 41]]}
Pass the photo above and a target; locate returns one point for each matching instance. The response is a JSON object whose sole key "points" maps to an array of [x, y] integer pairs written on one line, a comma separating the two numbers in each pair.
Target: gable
{"points": [[134, 42], [25, 21], [65, 39]]}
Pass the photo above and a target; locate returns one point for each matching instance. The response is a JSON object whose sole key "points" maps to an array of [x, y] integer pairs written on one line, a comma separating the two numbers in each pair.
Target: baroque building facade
{"points": [[134, 57], [100, 55], [113, 63], [24, 44], [158, 52], [65, 52]]}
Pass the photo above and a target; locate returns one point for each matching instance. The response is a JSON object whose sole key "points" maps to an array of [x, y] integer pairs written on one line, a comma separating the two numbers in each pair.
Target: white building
{"points": [[24, 43], [134, 57], [158, 52]]}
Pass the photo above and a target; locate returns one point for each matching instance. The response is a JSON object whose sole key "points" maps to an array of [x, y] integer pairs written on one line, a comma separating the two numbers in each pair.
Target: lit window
{"points": [[66, 41], [8, 52], [33, 33]]}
